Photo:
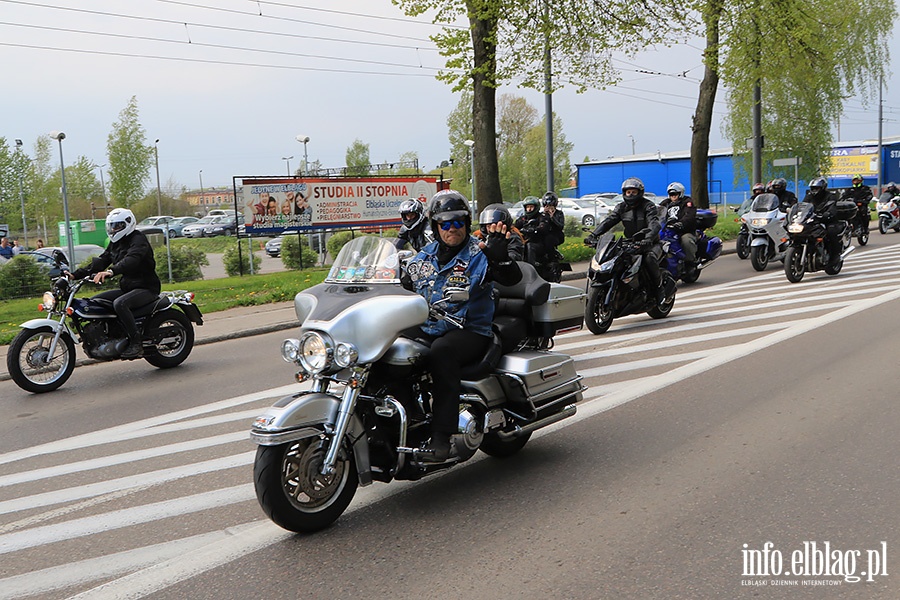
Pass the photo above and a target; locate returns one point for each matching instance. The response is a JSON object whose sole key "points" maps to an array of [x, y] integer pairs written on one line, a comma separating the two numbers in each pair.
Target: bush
{"points": [[186, 263], [236, 261], [296, 255], [337, 241], [22, 277], [576, 251], [572, 227]]}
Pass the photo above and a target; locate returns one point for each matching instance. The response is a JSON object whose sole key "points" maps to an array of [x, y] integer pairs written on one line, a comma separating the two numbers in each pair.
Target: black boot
{"points": [[438, 449], [134, 348]]}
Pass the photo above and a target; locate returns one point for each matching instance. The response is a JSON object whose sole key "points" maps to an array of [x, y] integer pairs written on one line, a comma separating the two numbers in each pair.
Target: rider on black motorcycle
{"points": [[786, 198], [543, 232], [457, 260], [640, 219], [412, 230], [129, 254], [861, 194], [825, 207], [680, 215]]}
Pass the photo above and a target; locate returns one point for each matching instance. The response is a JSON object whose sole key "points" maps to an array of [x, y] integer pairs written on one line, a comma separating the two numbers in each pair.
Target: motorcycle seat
{"points": [[160, 303], [488, 363]]}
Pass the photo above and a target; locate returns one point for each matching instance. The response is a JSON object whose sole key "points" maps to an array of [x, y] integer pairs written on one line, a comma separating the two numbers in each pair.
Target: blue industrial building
{"points": [[658, 169]]}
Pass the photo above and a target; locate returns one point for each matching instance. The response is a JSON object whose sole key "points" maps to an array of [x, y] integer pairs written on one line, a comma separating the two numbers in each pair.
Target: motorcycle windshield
{"points": [[367, 259], [764, 203], [886, 197], [800, 212]]}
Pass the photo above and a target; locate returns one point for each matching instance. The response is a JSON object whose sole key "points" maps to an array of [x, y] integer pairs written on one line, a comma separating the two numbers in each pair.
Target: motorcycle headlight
{"points": [[316, 352], [607, 266], [345, 355], [48, 301], [760, 222], [795, 227], [290, 350]]}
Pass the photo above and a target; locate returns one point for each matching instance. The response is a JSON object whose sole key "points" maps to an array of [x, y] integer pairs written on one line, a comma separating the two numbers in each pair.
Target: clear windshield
{"points": [[764, 203], [366, 259], [886, 197]]}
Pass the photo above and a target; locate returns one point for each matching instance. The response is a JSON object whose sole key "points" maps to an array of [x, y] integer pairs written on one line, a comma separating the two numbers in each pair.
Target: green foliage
{"points": [[358, 158], [186, 262], [234, 264], [130, 157], [572, 227], [575, 251], [21, 277], [337, 241], [296, 255]]}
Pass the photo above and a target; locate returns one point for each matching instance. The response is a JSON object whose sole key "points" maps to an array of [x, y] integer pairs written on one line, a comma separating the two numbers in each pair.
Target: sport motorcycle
{"points": [[616, 286], [888, 213], [366, 415], [42, 355], [768, 237]]}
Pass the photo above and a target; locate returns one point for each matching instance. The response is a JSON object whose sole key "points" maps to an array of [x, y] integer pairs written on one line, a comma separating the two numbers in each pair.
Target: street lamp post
{"points": [[632, 143], [471, 145], [22, 198], [287, 159], [60, 136], [304, 139], [158, 190], [102, 186], [202, 203]]}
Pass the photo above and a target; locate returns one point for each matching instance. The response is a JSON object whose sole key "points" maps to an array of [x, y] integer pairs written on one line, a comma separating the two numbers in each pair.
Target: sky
{"points": [[227, 86]]}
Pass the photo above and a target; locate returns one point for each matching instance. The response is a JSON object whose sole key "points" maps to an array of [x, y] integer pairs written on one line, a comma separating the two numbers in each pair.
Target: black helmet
{"points": [[891, 187], [412, 212], [550, 199], [633, 183], [779, 184], [494, 213], [818, 188], [448, 205]]}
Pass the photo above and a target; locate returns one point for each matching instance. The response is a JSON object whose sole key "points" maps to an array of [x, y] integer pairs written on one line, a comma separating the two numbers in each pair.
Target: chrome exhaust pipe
{"points": [[847, 252], [522, 430]]}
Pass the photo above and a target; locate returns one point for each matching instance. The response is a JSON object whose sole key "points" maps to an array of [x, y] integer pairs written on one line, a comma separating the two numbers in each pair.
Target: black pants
{"points": [[124, 302], [650, 266], [449, 354]]}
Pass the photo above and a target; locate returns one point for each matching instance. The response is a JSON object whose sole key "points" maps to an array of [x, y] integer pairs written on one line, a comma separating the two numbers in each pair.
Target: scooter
{"points": [[366, 416], [769, 239], [888, 213]]}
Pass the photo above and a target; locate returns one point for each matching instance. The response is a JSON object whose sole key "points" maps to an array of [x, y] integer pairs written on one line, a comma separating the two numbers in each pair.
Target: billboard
{"points": [[274, 204], [846, 162]]}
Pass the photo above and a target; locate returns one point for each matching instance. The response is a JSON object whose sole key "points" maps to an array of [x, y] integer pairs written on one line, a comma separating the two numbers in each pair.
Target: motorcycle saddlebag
{"points": [[546, 375], [706, 218], [713, 248], [563, 311], [846, 209]]}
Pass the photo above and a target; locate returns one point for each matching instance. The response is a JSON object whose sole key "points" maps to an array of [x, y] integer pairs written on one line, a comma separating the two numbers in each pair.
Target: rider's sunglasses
{"points": [[446, 225]]}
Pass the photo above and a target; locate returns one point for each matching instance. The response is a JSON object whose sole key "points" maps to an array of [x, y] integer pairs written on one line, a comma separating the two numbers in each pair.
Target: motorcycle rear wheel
{"points": [[492, 445], [173, 338], [293, 492], [759, 257], [597, 316], [794, 269], [26, 367], [834, 268]]}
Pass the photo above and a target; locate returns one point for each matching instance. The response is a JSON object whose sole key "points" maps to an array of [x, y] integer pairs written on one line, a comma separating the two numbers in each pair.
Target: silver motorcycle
{"points": [[768, 236], [366, 416]]}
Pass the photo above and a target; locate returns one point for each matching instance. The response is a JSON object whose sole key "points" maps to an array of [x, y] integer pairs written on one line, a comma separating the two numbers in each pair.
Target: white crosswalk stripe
{"points": [[134, 475]]}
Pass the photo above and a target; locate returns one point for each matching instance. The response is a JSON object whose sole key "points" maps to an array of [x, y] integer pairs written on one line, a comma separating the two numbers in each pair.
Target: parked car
{"points": [[195, 229], [156, 224], [273, 246], [587, 212], [82, 252], [220, 226], [177, 225], [44, 261]]}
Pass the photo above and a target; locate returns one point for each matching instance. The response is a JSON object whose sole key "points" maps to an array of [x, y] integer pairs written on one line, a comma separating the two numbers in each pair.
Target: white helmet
{"points": [[675, 188], [119, 223]]}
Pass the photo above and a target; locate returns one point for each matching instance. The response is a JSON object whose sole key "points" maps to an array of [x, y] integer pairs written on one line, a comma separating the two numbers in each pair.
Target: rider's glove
{"points": [[677, 226], [496, 248], [641, 234], [590, 240]]}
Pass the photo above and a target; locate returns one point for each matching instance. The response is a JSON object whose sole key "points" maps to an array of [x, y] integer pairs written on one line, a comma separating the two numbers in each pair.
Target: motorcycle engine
{"points": [[469, 437], [96, 336]]}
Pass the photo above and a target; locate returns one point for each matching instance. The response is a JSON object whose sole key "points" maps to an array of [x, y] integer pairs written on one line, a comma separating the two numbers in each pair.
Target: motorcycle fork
{"points": [[55, 341], [345, 411]]}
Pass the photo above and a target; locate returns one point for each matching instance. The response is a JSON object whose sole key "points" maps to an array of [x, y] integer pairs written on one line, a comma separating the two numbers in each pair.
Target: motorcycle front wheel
{"points": [[27, 360], [743, 246], [597, 316], [172, 336], [294, 493], [759, 257], [884, 224], [863, 237], [794, 269]]}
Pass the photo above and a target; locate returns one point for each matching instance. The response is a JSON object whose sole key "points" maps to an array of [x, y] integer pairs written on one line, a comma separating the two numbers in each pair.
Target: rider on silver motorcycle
{"points": [[457, 260], [129, 254]]}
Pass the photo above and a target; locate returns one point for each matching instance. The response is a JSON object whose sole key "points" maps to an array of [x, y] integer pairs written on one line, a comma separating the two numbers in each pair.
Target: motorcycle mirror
{"points": [[456, 294], [59, 258]]}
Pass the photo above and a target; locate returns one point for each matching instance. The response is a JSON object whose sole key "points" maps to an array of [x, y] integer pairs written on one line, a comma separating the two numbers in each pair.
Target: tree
{"points": [[130, 158], [357, 159], [508, 38], [826, 51]]}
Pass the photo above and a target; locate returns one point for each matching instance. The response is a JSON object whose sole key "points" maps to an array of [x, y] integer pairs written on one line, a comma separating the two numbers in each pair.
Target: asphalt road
{"points": [[759, 411]]}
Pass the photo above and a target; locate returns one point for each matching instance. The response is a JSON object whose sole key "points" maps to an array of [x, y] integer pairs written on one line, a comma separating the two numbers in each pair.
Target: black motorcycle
{"points": [[42, 355], [807, 250], [616, 285]]}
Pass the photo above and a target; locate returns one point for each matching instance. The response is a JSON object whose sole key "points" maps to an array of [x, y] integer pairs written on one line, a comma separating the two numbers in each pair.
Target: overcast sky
{"points": [[227, 89]]}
